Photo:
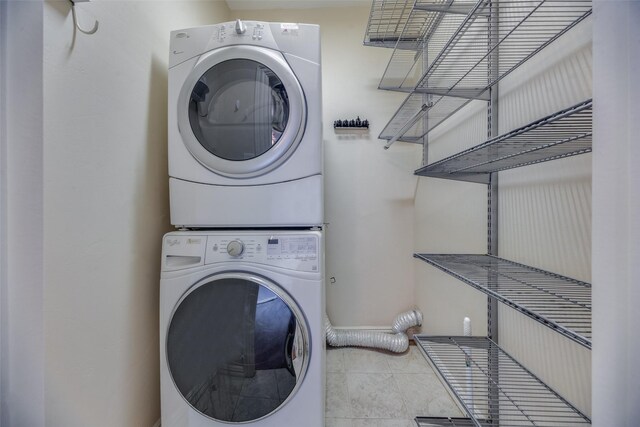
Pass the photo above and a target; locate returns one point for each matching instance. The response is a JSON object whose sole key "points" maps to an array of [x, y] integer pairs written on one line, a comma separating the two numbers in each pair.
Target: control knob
{"points": [[240, 27], [235, 248]]}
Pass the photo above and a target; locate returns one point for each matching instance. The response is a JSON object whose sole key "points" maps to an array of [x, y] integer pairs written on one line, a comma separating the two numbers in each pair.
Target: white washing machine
{"points": [[241, 328], [245, 131]]}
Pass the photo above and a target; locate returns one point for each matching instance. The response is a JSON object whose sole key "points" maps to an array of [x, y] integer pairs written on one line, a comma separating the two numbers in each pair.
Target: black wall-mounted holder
{"points": [[353, 124]]}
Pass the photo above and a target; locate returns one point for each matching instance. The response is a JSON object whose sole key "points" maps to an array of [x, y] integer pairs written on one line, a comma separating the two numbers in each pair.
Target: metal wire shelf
{"points": [[561, 303], [439, 108], [565, 133], [459, 38], [444, 422], [494, 388], [420, 38], [436, 20], [523, 28], [406, 24], [387, 21], [453, 57]]}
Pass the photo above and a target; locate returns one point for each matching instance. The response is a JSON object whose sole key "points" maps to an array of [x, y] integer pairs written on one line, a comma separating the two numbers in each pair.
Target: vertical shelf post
{"points": [[492, 132], [492, 208], [425, 99]]}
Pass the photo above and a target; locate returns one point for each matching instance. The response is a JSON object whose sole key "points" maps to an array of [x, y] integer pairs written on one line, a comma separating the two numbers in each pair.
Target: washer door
{"points": [[237, 347], [241, 112]]}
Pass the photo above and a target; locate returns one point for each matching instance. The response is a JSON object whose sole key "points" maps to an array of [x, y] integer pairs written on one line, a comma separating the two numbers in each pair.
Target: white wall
{"points": [[86, 189], [451, 217], [22, 365], [368, 191], [616, 229], [3, 202]]}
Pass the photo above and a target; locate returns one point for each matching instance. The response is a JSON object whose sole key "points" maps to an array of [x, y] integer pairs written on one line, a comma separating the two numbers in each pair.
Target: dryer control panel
{"points": [[239, 30]]}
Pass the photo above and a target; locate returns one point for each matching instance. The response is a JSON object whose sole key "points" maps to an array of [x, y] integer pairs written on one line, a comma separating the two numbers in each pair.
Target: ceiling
{"points": [[292, 4]]}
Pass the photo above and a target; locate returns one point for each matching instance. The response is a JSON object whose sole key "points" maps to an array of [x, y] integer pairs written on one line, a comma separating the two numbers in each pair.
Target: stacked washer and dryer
{"points": [[242, 282]]}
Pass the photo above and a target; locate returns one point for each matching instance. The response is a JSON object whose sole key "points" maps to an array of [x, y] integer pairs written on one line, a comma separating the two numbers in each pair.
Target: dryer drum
{"points": [[280, 113], [238, 109]]}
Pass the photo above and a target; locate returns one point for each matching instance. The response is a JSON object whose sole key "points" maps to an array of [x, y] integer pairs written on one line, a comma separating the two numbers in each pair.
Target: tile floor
{"points": [[370, 388]]}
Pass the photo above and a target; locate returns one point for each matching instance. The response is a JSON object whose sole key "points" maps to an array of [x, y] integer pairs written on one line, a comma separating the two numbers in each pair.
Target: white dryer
{"points": [[241, 328], [245, 131]]}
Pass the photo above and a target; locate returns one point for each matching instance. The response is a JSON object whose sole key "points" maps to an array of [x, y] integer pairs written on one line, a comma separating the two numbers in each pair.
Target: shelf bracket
{"points": [[466, 93], [452, 9], [412, 121]]}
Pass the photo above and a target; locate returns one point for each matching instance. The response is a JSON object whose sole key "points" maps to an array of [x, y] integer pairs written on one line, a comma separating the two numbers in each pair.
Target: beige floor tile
{"points": [[337, 396], [370, 388], [424, 395], [410, 362], [335, 359], [337, 422], [363, 360], [375, 395], [372, 422]]}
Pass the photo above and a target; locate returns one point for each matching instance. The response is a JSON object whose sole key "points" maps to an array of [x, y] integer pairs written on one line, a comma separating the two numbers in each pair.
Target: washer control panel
{"points": [[183, 251], [291, 251], [292, 247], [235, 248]]}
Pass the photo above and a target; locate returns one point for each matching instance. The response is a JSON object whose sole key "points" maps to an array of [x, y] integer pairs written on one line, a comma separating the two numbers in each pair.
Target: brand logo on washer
{"points": [[173, 242], [287, 28]]}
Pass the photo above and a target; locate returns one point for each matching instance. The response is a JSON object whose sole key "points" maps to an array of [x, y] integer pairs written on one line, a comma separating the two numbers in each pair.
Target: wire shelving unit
{"points": [[447, 54], [452, 56], [562, 134], [493, 388], [559, 302]]}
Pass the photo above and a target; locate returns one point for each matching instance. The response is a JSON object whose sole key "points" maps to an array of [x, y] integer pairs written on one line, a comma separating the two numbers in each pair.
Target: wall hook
{"points": [[75, 19]]}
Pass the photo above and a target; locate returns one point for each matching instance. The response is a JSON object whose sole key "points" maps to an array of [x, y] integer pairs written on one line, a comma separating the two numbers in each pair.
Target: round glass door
{"points": [[241, 112], [236, 347], [238, 109]]}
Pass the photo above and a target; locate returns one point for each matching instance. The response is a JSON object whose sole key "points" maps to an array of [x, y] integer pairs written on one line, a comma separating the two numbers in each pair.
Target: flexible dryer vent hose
{"points": [[398, 341]]}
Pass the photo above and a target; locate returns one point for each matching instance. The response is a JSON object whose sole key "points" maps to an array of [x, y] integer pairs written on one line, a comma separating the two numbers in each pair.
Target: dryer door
{"points": [[237, 347], [241, 112]]}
